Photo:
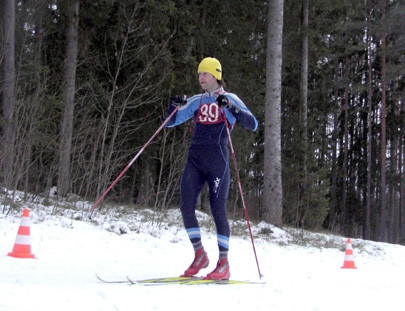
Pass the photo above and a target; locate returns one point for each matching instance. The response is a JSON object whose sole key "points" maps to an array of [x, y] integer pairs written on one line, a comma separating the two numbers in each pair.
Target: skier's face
{"points": [[208, 81]]}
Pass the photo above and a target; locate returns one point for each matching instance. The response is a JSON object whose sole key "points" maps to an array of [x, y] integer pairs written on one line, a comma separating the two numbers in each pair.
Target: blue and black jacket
{"points": [[209, 126]]}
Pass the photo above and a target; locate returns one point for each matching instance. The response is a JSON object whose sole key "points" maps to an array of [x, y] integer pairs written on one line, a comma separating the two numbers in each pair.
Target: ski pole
{"points": [[131, 162], [242, 195]]}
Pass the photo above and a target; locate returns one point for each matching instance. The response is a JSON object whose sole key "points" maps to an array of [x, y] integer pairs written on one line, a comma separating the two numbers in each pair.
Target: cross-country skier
{"points": [[207, 159]]}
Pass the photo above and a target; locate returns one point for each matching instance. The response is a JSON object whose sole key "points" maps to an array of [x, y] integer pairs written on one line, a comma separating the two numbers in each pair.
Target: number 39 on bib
{"points": [[209, 114]]}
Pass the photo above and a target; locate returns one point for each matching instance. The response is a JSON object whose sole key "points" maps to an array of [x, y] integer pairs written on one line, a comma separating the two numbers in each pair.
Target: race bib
{"points": [[209, 114]]}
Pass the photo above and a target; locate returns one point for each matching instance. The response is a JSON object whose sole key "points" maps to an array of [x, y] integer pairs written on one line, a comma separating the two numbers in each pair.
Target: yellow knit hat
{"points": [[212, 66]]}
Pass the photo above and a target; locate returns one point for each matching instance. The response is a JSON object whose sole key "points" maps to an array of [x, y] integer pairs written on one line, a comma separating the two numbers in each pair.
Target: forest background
{"points": [[110, 67]]}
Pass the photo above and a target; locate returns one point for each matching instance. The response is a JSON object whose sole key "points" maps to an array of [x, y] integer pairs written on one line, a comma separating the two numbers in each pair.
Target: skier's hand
{"points": [[175, 102], [223, 101], [178, 100]]}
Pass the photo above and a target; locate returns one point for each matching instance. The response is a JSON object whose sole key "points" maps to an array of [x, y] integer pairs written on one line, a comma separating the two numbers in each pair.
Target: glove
{"points": [[178, 100], [223, 101]]}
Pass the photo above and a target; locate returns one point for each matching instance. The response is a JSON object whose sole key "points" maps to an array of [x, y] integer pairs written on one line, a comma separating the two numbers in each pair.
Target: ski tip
{"points": [[104, 280]]}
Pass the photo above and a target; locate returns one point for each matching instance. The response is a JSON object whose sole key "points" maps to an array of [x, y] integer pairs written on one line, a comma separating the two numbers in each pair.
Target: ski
{"points": [[164, 281], [175, 280], [156, 281], [187, 281], [110, 281]]}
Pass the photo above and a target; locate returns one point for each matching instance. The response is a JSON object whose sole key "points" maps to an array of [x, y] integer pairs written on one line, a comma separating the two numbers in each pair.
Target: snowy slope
{"points": [[302, 270]]}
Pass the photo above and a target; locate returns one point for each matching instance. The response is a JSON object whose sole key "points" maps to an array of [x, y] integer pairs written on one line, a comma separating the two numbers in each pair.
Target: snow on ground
{"points": [[302, 270]]}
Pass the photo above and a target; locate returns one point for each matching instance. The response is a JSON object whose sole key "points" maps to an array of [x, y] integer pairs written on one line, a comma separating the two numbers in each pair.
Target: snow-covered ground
{"points": [[302, 270]]}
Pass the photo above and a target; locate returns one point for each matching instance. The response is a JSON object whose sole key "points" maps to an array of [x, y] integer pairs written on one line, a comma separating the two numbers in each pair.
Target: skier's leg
{"points": [[192, 182], [219, 181], [218, 209], [191, 185]]}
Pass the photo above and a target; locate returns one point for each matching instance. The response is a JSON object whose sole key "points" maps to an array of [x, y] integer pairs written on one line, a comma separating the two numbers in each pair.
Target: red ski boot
{"points": [[200, 262], [221, 272]]}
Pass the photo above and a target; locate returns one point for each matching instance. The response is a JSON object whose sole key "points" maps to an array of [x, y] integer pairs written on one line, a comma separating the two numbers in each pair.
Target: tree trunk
{"points": [[301, 211], [383, 215], [273, 192], [394, 202], [402, 191], [9, 97], [68, 91], [333, 190], [367, 220], [345, 144]]}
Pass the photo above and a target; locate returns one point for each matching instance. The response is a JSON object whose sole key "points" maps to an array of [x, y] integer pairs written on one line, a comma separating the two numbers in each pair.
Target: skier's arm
{"points": [[185, 112], [238, 110], [174, 102]]}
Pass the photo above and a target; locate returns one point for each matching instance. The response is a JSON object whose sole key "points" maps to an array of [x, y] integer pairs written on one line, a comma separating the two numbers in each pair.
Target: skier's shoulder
{"points": [[235, 99], [192, 103]]}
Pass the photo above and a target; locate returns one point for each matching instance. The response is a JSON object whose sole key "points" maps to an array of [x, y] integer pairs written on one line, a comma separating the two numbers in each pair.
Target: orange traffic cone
{"points": [[22, 245], [349, 258]]}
